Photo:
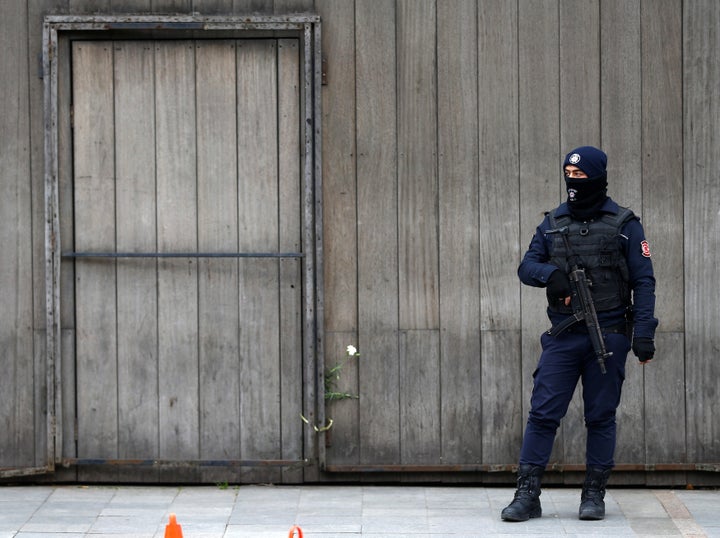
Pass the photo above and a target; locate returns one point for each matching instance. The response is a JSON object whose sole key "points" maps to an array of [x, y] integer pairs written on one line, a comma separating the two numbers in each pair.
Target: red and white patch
{"points": [[645, 246]]}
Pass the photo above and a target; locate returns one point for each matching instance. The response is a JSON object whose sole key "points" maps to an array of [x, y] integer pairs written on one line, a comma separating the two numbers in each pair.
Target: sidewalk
{"points": [[341, 511]]}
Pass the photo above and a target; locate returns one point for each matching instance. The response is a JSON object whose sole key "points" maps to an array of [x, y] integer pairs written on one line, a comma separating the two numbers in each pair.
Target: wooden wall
{"points": [[444, 123]]}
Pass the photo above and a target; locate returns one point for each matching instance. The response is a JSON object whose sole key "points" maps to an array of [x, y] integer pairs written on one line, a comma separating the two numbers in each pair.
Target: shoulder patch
{"points": [[645, 246]]}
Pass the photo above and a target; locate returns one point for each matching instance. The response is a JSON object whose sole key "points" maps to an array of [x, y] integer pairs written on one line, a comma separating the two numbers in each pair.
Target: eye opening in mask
{"points": [[574, 172]]}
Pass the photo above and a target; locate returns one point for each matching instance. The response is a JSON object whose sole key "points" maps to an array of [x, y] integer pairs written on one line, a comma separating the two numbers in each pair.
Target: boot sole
{"points": [[588, 517], [518, 519]]}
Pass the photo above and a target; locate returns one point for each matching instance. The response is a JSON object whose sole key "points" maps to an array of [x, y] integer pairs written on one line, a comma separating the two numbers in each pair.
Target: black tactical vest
{"points": [[597, 243]]}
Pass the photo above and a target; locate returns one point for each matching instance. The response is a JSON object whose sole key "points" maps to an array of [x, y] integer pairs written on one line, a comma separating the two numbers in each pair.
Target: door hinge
{"points": [[324, 81]]}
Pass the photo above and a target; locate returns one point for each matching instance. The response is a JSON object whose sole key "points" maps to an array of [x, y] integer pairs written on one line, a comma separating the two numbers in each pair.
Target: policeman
{"points": [[615, 255]]}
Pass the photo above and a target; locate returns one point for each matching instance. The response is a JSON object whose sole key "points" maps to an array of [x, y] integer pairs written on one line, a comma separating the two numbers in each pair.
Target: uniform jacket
{"points": [[535, 269]]}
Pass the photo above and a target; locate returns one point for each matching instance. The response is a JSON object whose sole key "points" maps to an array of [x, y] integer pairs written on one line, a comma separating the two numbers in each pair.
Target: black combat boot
{"points": [[526, 503], [592, 500]]}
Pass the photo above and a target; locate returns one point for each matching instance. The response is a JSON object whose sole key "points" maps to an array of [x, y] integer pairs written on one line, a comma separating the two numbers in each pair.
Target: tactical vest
{"points": [[597, 243]]}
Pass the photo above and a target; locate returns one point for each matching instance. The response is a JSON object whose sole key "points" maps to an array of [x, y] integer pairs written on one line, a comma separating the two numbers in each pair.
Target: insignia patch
{"points": [[645, 246], [574, 158], [572, 194]]}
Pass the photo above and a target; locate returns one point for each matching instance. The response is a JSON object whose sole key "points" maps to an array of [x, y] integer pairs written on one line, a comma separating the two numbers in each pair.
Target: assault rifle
{"points": [[581, 302]]}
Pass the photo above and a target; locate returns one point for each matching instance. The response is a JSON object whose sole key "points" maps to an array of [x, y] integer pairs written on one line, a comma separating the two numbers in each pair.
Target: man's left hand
{"points": [[644, 349]]}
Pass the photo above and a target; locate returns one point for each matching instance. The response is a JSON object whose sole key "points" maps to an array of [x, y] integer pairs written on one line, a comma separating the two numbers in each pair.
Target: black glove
{"points": [[644, 348], [558, 287]]}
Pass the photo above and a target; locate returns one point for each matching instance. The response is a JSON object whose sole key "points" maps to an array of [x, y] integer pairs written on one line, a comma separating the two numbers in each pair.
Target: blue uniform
{"points": [[569, 356]]}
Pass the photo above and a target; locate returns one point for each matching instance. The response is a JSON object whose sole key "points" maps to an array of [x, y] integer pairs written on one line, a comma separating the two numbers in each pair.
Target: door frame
{"points": [[58, 32]]}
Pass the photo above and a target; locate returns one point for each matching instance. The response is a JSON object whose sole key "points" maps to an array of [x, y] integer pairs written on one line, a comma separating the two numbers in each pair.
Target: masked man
{"points": [[610, 244]]}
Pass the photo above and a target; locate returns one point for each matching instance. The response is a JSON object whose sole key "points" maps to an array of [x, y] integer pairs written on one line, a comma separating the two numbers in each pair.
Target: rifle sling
{"points": [[565, 324]]}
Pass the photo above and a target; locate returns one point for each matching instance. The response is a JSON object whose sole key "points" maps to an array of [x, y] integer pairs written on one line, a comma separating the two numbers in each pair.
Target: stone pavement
{"points": [[250, 511]]}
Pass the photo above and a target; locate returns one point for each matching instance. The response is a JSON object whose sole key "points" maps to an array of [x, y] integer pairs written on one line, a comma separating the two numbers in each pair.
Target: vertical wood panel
{"points": [[377, 231], [499, 222], [94, 189], [622, 140], [212, 7], [292, 6], [290, 227], [340, 277], [579, 77], [579, 125], [458, 232], [252, 6], [417, 164], [663, 209], [131, 6], [418, 232], [539, 167], [136, 279], [177, 232], [171, 6], [258, 232], [17, 409], [419, 398], [217, 232], [622, 106], [701, 149], [339, 196]]}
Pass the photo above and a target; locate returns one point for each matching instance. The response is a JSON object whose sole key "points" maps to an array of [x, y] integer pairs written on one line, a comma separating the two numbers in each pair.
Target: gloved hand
{"points": [[644, 348], [558, 288]]}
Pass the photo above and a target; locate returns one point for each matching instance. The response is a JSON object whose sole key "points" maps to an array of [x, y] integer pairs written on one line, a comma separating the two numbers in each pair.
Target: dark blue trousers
{"points": [[565, 359]]}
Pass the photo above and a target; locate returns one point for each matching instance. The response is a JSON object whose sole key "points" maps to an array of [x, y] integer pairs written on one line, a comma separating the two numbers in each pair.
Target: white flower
{"points": [[351, 350]]}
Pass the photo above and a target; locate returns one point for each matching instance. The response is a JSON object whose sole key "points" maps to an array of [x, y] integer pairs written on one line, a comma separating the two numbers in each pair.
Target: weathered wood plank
{"points": [[131, 6], [701, 153], [662, 172], [665, 429], [258, 232], [252, 6], [579, 126], [339, 215], [662, 195], [94, 195], [212, 7], [420, 397], [499, 215], [459, 252], [539, 115], [177, 231], [17, 407], [290, 226], [292, 6], [339, 189], [622, 115], [579, 77], [342, 440], [136, 293], [218, 320], [621, 139], [377, 232], [417, 165], [503, 420], [498, 222]]}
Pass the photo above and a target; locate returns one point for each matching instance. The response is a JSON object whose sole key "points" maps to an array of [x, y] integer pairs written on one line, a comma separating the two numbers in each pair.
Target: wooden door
{"points": [[186, 187]]}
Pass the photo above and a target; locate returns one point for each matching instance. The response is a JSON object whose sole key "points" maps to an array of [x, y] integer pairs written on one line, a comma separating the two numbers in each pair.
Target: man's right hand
{"points": [[558, 288]]}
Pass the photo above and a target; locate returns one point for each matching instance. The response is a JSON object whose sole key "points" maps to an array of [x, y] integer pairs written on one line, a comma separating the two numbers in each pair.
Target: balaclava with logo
{"points": [[587, 195]]}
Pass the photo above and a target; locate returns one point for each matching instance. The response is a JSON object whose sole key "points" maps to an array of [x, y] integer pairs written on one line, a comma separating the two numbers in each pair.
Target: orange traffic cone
{"points": [[172, 529], [292, 532]]}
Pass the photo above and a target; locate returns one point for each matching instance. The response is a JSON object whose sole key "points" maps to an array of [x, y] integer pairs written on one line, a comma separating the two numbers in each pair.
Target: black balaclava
{"points": [[587, 195]]}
